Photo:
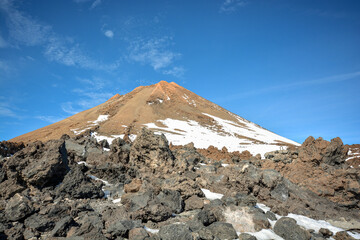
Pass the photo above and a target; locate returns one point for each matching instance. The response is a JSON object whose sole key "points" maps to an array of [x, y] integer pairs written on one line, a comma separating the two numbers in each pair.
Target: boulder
{"points": [[152, 151], [175, 231], [287, 228], [171, 199], [18, 208], [77, 185], [343, 236], [50, 169], [122, 228], [134, 186], [194, 202], [138, 234], [62, 227], [223, 230]]}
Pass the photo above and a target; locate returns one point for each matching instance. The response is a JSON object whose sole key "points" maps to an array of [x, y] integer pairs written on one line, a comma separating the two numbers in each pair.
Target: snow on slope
{"points": [[183, 132]]}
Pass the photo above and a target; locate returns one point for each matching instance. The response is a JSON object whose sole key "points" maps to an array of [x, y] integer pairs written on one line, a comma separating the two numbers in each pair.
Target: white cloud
{"points": [[95, 4], [5, 110], [68, 108], [175, 71], [25, 30], [231, 5], [109, 33], [153, 52]]}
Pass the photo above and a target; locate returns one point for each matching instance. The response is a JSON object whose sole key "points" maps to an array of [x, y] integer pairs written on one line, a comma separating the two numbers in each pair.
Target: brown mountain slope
{"points": [[171, 109]]}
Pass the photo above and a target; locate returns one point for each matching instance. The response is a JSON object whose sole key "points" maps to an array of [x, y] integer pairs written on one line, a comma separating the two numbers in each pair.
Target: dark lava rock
{"points": [[9, 148], [50, 168], [175, 231], [152, 151], [18, 208], [77, 185], [122, 228], [287, 228], [246, 236], [16, 232], [61, 228], [39, 222], [206, 217], [171, 199], [223, 230]]}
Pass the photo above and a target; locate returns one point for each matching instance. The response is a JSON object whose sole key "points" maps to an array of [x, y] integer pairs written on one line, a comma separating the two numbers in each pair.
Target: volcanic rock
{"points": [[287, 228]]}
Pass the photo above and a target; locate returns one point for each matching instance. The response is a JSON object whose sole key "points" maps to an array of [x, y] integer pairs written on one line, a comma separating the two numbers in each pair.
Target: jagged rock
{"points": [[187, 157], [321, 151], [10, 187], [284, 156], [16, 232], [171, 199], [203, 233], [90, 224], [246, 236], [77, 185], [50, 168], [223, 230], [186, 186], [194, 202], [120, 151], [39, 222], [287, 228], [9, 148], [61, 228], [175, 231], [122, 228], [152, 151], [18, 208]]}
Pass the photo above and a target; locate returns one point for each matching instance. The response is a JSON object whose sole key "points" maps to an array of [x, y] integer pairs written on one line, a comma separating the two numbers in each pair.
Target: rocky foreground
{"points": [[76, 188]]}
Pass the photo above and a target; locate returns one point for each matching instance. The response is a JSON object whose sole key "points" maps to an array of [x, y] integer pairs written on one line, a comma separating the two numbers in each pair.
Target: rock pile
{"points": [[77, 188], [320, 166]]}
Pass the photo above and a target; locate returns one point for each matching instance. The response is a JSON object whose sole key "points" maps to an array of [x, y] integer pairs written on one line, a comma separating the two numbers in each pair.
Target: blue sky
{"points": [[292, 67]]}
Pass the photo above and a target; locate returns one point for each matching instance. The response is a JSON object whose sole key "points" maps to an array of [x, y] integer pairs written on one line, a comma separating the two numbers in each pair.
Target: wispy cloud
{"points": [[299, 84], [6, 110], [93, 93], [95, 4], [25, 30], [109, 33], [229, 6], [153, 52], [175, 71]]}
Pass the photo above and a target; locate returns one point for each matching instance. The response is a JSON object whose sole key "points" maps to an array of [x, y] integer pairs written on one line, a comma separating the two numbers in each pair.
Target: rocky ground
{"points": [[76, 188]]}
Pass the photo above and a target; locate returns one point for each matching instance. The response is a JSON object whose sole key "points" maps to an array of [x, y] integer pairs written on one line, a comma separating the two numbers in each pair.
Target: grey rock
{"points": [[61, 228], [287, 228], [122, 228], [171, 199], [138, 234], [50, 168], [223, 230], [270, 215], [152, 151], [18, 208], [175, 231], [206, 217], [77, 185], [246, 236], [39, 222]]}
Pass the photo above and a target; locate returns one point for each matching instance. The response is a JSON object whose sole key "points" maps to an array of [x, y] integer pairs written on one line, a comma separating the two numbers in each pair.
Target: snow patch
{"points": [[211, 195], [180, 132], [100, 119], [150, 230]]}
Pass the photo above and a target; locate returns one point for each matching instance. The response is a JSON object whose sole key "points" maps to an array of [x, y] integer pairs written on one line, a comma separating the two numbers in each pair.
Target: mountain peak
{"points": [[170, 109]]}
